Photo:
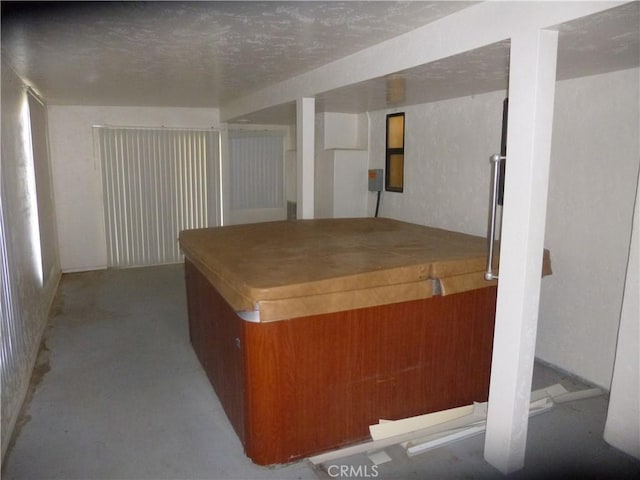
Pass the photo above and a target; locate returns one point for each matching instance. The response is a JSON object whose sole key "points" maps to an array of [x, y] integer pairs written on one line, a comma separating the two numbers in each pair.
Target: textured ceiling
{"points": [[604, 42], [600, 43], [595, 44], [190, 53], [204, 54]]}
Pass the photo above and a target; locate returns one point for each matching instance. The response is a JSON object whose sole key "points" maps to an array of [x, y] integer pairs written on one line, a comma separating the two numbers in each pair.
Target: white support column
{"points": [[532, 78], [305, 133]]}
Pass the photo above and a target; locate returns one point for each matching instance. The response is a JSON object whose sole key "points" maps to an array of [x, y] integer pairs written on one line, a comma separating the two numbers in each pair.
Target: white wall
{"points": [[76, 172], [340, 131], [341, 183], [594, 171], [32, 294], [324, 184], [341, 159], [624, 402]]}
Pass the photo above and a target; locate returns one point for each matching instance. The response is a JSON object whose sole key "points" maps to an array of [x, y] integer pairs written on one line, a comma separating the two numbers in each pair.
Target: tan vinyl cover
{"points": [[296, 268]]}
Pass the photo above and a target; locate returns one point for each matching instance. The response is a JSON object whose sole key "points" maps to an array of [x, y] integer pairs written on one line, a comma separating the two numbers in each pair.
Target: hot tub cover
{"points": [[297, 268]]}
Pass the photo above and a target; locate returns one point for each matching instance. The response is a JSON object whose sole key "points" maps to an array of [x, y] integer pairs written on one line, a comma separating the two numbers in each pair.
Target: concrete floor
{"points": [[118, 393]]}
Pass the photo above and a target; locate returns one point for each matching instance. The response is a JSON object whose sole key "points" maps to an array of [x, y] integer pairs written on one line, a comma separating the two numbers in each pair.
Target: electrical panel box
{"points": [[375, 180]]}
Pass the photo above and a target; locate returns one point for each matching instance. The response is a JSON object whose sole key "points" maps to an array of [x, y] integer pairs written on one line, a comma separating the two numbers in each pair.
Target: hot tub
{"points": [[312, 330]]}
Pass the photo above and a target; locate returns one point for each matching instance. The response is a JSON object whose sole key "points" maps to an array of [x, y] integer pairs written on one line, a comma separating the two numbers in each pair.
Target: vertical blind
{"points": [[256, 164], [13, 336], [43, 185], [156, 182]]}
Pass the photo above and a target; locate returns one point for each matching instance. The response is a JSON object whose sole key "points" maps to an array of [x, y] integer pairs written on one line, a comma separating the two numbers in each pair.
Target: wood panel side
{"points": [[316, 383], [216, 335]]}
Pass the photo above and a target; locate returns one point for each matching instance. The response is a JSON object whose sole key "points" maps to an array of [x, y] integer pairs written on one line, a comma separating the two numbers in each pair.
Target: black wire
{"points": [[378, 203]]}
